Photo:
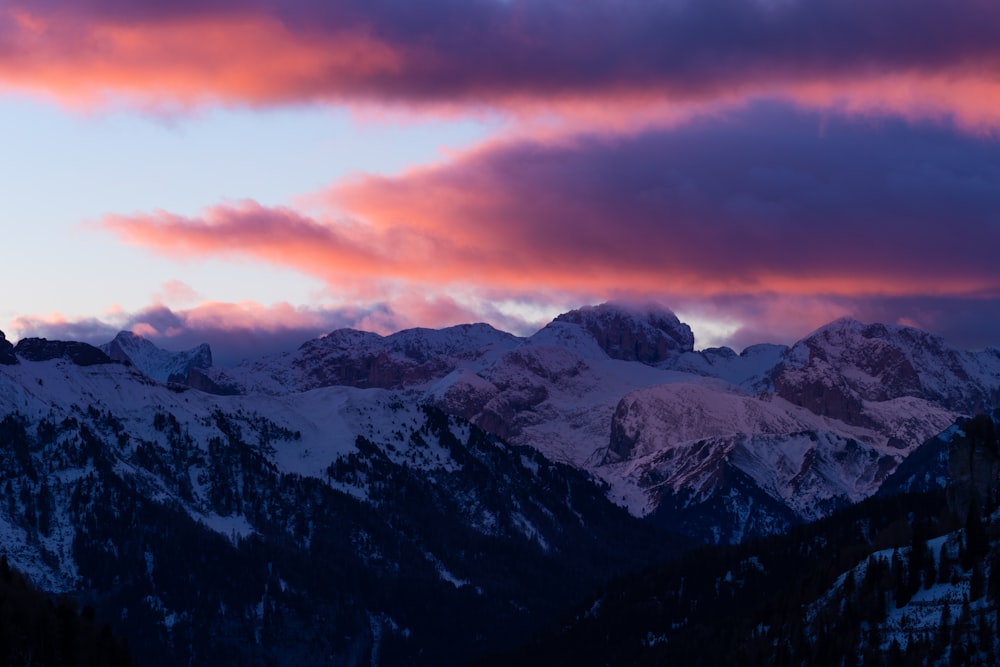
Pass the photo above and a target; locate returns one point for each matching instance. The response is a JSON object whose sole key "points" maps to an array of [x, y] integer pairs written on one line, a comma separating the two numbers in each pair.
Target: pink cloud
{"points": [[248, 330], [176, 292], [602, 58], [757, 202], [235, 330], [819, 216]]}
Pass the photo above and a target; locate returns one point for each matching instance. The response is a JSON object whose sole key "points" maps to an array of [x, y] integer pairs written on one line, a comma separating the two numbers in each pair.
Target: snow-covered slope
{"points": [[157, 363], [409, 358], [337, 498], [621, 392], [834, 370]]}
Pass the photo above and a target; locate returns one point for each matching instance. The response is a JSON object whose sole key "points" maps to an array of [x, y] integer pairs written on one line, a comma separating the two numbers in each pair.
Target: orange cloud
{"points": [[764, 200], [184, 62], [596, 62], [248, 329]]}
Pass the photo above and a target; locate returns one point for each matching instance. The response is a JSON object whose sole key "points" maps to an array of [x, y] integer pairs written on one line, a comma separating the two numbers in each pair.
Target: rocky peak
{"points": [[846, 363], [646, 334], [7, 356], [155, 362], [463, 340], [42, 349]]}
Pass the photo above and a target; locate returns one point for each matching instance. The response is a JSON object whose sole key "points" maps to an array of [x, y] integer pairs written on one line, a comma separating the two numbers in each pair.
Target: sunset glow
{"points": [[761, 166]]}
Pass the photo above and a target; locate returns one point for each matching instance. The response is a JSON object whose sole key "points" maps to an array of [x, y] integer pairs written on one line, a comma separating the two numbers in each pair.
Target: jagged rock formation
{"points": [[7, 356], [154, 362], [886, 362]]}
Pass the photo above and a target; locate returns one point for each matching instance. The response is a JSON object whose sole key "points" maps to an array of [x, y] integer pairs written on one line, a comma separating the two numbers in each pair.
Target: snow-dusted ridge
{"points": [[619, 392], [816, 424], [154, 362]]}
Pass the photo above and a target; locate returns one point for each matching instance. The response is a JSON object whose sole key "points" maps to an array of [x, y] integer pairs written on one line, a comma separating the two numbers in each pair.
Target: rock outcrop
{"points": [[7, 356], [42, 349], [649, 335]]}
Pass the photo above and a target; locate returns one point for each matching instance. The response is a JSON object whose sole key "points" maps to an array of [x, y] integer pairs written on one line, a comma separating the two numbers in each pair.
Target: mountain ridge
{"points": [[411, 488], [619, 391]]}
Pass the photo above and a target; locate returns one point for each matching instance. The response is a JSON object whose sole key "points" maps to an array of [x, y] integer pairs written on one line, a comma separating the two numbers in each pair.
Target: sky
{"points": [[254, 174]]}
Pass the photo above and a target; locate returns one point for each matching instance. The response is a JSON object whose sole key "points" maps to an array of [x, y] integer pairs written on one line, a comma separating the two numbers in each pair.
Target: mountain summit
{"points": [[648, 334], [463, 468], [718, 445], [154, 362], [7, 356]]}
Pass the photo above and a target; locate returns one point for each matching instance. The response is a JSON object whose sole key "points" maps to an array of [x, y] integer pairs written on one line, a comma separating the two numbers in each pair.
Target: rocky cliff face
{"points": [[7, 356], [41, 349], [157, 363], [649, 335], [837, 369]]}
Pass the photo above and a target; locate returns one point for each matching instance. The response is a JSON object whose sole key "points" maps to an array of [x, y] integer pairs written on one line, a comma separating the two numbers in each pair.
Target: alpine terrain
{"points": [[441, 496]]}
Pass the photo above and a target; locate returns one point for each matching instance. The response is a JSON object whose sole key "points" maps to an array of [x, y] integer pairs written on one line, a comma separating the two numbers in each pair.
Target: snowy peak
{"points": [[418, 344], [840, 366], [650, 335], [7, 356], [154, 362], [348, 357], [463, 340]]}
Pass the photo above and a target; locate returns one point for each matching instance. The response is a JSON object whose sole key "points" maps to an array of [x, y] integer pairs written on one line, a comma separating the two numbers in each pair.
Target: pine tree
{"points": [[930, 570], [977, 583], [895, 657], [993, 589], [900, 581], [919, 555], [944, 565], [977, 544], [944, 628], [964, 620]]}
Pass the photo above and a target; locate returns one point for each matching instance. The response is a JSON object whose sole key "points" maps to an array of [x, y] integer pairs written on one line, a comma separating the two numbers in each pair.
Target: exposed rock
{"points": [[827, 395], [41, 349], [650, 335], [7, 356], [838, 368], [623, 439], [197, 379], [154, 362]]}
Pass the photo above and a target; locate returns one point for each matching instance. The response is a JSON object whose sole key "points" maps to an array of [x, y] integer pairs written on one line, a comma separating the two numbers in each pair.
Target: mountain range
{"points": [[621, 393], [432, 495]]}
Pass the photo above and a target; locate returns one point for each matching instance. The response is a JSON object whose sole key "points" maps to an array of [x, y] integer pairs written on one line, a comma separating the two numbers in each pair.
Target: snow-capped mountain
{"points": [[738, 444], [154, 362], [897, 579], [225, 525], [7, 356], [352, 358], [844, 366], [466, 466]]}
